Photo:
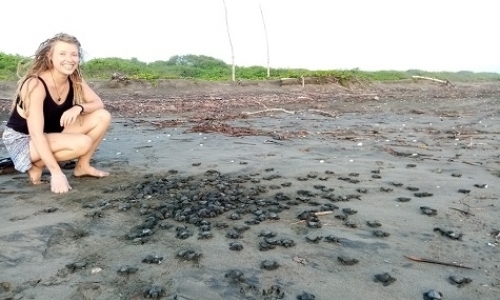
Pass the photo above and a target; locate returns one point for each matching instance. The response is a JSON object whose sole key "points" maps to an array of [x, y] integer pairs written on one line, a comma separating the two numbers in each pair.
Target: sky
{"points": [[432, 35]]}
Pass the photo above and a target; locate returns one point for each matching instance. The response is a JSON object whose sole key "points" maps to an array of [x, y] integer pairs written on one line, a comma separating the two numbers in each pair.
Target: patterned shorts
{"points": [[18, 147]]}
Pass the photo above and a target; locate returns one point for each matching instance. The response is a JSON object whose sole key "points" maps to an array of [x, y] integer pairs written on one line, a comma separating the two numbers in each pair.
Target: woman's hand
{"points": [[70, 116], [59, 184]]}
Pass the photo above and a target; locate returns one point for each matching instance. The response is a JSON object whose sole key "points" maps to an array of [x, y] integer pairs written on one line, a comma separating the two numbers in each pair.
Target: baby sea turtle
{"points": [[332, 239], [189, 254], [268, 233], [76, 266], [403, 199], [349, 211], [426, 210], [314, 239], [433, 295], [269, 265], [348, 261], [152, 259], [449, 233], [412, 188], [154, 292], [380, 233], [233, 234], [373, 223], [286, 184], [458, 175], [385, 278], [287, 243], [459, 281], [423, 194], [204, 235], [481, 185], [264, 246], [235, 275], [125, 270], [274, 292], [235, 246], [350, 224], [464, 191]]}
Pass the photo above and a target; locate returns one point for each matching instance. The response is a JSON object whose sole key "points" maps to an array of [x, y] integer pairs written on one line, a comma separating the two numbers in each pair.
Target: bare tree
{"points": [[230, 42], [267, 41]]}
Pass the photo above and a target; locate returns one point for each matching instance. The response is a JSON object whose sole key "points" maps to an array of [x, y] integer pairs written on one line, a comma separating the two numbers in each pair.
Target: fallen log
{"points": [[445, 82]]}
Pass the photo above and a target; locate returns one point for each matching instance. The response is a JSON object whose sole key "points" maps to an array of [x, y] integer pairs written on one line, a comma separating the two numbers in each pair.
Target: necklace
{"points": [[57, 89]]}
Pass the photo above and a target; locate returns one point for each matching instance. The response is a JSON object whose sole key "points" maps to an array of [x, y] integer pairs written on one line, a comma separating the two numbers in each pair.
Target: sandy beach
{"points": [[268, 192]]}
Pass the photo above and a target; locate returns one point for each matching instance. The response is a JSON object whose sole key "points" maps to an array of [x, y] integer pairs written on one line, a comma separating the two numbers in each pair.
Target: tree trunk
{"points": [[267, 42], [230, 43]]}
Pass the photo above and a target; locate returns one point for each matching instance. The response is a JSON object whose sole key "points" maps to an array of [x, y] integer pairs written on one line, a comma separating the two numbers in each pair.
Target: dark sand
{"points": [[419, 135]]}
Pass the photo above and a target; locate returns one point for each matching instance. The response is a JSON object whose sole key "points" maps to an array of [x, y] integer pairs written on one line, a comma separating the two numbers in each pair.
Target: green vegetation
{"points": [[209, 68]]}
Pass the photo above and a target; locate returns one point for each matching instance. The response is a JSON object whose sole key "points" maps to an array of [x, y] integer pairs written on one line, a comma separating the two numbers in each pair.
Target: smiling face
{"points": [[65, 57]]}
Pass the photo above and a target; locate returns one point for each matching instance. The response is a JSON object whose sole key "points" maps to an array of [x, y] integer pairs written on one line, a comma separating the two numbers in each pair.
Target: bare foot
{"points": [[89, 172], [35, 174]]}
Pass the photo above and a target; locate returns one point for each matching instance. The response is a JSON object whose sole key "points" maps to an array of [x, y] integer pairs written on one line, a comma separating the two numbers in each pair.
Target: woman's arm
{"points": [[92, 101], [33, 95]]}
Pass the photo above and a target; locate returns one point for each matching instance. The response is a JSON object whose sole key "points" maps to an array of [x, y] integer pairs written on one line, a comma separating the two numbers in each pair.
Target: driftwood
{"points": [[433, 261], [445, 82], [266, 111]]}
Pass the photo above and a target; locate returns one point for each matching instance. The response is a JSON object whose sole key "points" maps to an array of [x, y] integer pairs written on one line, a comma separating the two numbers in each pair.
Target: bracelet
{"points": [[81, 106]]}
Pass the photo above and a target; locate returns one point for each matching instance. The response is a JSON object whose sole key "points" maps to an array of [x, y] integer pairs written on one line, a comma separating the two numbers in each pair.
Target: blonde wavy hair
{"points": [[42, 62]]}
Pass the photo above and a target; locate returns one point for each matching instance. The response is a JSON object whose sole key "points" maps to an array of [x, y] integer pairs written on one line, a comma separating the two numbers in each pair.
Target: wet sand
{"points": [[383, 158]]}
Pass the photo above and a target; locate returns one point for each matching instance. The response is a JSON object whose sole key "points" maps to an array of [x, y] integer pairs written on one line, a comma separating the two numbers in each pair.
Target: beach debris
{"points": [[385, 278], [269, 265], [426, 210], [311, 217], [347, 261], [464, 212], [412, 188], [154, 292], [433, 261], [449, 233], [306, 296], [459, 281], [300, 260], [433, 295]]}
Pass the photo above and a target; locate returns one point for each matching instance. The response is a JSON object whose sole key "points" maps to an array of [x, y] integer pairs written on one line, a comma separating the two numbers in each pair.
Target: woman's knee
{"points": [[102, 115], [82, 144]]}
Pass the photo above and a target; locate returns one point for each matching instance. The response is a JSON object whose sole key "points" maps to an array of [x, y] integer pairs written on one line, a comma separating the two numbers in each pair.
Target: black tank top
{"points": [[52, 112]]}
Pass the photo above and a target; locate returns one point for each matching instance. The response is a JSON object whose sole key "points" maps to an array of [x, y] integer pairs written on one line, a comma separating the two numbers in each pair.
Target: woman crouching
{"points": [[55, 116]]}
